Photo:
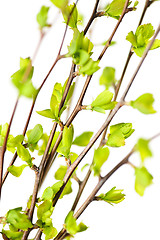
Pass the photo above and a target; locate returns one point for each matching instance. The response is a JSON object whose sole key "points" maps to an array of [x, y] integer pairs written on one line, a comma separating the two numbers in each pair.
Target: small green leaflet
{"points": [[42, 17], [102, 102], [71, 226], [113, 196], [24, 154], [141, 38], [143, 180], [108, 77], [80, 50], [49, 231], [50, 192], [17, 219], [22, 79], [60, 3], [118, 133], [115, 8], [35, 134], [100, 157], [83, 139], [17, 171], [45, 210], [66, 143], [59, 175], [3, 131], [143, 147], [14, 235], [70, 12], [144, 103]]}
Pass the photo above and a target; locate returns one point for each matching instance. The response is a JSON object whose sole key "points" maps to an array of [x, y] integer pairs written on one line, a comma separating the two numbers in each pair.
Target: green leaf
{"points": [[45, 210], [115, 8], [50, 192], [108, 77], [16, 171], [60, 173], [132, 39], [13, 142], [143, 147], [83, 139], [144, 103], [60, 3], [89, 68], [46, 113], [24, 154], [42, 17], [13, 234], [70, 12], [100, 157], [35, 134], [156, 44], [143, 180], [118, 133], [102, 99], [67, 138], [17, 219], [113, 196], [50, 232], [71, 225], [22, 78]]}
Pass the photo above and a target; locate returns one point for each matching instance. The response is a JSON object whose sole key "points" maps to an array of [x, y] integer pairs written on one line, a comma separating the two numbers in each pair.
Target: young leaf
{"points": [[22, 79], [60, 3], [83, 139], [45, 210], [143, 147], [49, 231], [70, 12], [13, 142], [114, 196], [46, 113], [14, 235], [17, 219], [118, 133], [70, 224], [143, 180], [144, 103], [141, 38], [100, 157], [102, 101], [42, 17], [115, 8], [108, 77], [35, 134], [50, 192], [24, 154], [67, 138], [90, 67], [16, 171]]}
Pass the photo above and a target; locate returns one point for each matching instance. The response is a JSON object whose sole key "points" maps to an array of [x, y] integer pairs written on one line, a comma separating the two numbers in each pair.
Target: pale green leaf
{"points": [[108, 77], [143, 147], [46, 113], [16, 171], [113, 196], [83, 139], [42, 17], [35, 134], [143, 180], [100, 157]]}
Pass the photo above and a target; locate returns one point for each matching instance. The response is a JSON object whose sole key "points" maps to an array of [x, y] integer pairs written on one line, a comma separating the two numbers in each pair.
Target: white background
{"points": [[136, 217]]}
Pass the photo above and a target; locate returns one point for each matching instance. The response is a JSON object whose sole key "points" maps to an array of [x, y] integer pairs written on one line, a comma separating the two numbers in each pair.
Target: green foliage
{"points": [[60, 3], [118, 133], [55, 100], [24, 154], [35, 134], [115, 8], [71, 226], [113, 196], [17, 219], [59, 175], [83, 139], [66, 143], [143, 147], [141, 38], [143, 180], [3, 132], [22, 79], [80, 50], [50, 192], [17, 171], [108, 77], [70, 12], [42, 17], [100, 157], [11, 234], [144, 103], [102, 102]]}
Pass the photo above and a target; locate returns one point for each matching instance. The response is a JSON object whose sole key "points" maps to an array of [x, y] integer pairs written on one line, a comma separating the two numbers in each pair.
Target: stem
{"points": [[3, 149]]}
